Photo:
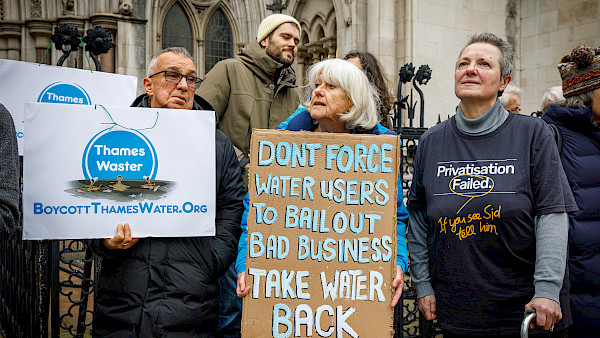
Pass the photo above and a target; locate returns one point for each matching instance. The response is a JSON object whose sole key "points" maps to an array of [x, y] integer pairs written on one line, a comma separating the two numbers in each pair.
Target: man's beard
{"points": [[277, 54]]}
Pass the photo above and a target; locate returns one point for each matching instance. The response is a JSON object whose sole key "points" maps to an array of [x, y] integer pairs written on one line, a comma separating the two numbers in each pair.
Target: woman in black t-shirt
{"points": [[488, 203]]}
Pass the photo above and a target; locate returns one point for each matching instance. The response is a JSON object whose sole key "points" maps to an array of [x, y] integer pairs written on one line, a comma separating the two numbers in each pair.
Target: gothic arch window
{"points": [[177, 31], [320, 33], [219, 40], [304, 38]]}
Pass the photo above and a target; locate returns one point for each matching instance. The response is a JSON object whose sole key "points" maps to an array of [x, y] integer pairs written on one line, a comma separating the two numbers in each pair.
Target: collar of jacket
{"points": [[577, 119], [267, 69], [301, 120], [143, 101]]}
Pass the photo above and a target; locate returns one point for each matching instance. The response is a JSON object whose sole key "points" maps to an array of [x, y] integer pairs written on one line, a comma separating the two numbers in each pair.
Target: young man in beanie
{"points": [[254, 90], [257, 88], [578, 120]]}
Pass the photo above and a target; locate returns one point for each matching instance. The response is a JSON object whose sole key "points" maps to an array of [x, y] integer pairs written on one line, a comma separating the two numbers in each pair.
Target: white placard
{"points": [[24, 82], [74, 155]]}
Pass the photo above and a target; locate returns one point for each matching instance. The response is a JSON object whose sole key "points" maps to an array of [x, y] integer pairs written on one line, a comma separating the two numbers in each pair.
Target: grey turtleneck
{"points": [[549, 229], [485, 124]]}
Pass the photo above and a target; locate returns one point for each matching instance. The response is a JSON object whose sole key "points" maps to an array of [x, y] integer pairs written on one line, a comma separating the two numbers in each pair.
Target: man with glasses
{"points": [[257, 89], [164, 86], [155, 287]]}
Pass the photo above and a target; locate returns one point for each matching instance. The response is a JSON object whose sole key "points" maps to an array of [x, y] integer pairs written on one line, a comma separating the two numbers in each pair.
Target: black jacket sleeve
{"points": [[9, 176], [230, 193]]}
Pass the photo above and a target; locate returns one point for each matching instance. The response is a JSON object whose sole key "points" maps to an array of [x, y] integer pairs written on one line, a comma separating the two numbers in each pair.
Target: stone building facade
{"points": [[396, 31]]}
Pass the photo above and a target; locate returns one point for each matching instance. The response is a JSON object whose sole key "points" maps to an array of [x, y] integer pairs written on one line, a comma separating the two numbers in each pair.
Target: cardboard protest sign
{"points": [[88, 168], [24, 82], [321, 235]]}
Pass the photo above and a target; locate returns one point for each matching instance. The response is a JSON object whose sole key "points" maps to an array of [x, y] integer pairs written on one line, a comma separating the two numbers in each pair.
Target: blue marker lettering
{"points": [[330, 155], [283, 161], [271, 158], [340, 158], [255, 239], [385, 159]]}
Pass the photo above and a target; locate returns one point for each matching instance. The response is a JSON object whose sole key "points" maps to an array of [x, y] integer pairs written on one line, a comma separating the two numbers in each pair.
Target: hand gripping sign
{"points": [[24, 82], [88, 168], [321, 235]]}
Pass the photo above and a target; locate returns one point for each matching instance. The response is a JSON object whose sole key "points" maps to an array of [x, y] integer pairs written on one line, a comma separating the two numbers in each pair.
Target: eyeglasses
{"points": [[174, 77]]}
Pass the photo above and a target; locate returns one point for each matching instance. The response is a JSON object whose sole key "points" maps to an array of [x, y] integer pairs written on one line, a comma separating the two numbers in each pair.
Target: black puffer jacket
{"points": [[581, 161], [165, 287]]}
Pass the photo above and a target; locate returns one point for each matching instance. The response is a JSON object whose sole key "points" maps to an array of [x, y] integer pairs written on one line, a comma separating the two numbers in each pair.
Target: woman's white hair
{"points": [[510, 89], [364, 113], [552, 95]]}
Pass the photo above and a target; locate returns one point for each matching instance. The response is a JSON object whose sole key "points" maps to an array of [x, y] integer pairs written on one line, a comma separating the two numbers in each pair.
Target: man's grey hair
{"points": [[552, 95], [510, 89], [506, 50], [364, 113], [181, 51], [580, 100]]}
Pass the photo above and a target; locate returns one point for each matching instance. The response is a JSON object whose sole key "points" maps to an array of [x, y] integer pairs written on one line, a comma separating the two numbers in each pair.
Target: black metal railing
{"points": [[46, 287], [408, 321], [24, 288], [74, 287]]}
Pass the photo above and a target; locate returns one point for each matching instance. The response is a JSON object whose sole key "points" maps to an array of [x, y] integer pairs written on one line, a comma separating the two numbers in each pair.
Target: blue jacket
{"points": [[301, 120], [581, 161]]}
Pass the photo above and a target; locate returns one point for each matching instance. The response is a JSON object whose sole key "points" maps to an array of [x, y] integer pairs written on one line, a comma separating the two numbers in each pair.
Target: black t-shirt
{"points": [[481, 194]]}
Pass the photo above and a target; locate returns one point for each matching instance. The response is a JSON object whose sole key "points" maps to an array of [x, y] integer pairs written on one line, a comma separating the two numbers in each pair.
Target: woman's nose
{"points": [[318, 90], [471, 67]]}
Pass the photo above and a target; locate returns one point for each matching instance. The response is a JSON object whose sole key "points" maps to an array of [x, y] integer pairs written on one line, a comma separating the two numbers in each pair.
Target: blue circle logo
{"points": [[58, 92], [125, 153]]}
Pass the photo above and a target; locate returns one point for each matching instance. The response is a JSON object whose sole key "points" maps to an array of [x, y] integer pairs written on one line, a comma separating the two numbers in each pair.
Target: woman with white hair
{"points": [[335, 101], [552, 95], [339, 99]]}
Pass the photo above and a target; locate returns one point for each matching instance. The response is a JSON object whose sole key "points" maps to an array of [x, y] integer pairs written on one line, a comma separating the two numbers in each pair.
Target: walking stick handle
{"points": [[528, 317]]}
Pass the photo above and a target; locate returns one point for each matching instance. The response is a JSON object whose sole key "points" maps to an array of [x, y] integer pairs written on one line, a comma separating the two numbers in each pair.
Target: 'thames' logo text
{"points": [[120, 165], [67, 93], [127, 154]]}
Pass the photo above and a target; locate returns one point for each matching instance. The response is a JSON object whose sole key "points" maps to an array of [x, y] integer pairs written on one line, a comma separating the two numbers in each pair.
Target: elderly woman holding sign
{"points": [[342, 100], [488, 203]]}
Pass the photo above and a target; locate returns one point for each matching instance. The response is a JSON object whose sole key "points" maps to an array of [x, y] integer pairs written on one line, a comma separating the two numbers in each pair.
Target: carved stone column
{"points": [[3, 48], [10, 32], [41, 31], [330, 46], [303, 59], [314, 51]]}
